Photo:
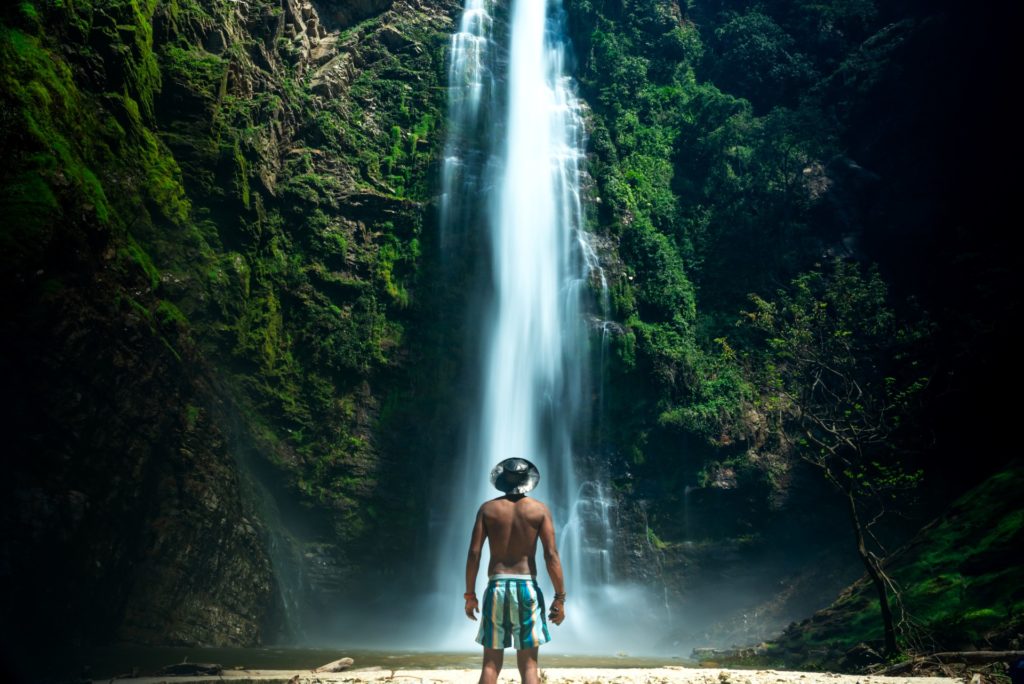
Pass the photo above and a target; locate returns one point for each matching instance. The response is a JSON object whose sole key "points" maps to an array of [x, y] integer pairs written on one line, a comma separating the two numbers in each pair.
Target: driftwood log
{"points": [[969, 657], [339, 665], [191, 669]]}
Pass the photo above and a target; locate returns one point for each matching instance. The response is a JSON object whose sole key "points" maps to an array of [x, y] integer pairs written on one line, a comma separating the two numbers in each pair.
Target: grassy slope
{"points": [[962, 584]]}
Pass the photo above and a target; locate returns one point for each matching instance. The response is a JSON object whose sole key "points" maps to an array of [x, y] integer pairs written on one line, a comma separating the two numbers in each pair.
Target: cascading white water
{"points": [[470, 89], [535, 399]]}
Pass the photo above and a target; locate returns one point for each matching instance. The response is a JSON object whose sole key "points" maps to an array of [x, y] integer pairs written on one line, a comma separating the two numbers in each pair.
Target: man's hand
{"points": [[472, 607], [557, 613]]}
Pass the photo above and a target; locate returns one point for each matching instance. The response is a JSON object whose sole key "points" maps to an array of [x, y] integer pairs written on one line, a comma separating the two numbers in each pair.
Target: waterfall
{"points": [[470, 90], [512, 163]]}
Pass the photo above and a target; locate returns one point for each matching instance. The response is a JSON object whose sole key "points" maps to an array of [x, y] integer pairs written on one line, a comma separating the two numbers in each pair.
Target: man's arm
{"points": [[476, 546], [554, 565]]}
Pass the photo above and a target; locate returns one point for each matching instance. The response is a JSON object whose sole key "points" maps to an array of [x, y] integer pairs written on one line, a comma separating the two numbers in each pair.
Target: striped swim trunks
{"points": [[513, 613]]}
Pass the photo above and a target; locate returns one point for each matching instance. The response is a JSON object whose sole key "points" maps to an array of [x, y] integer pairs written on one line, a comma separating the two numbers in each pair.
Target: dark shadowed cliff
{"points": [[234, 356]]}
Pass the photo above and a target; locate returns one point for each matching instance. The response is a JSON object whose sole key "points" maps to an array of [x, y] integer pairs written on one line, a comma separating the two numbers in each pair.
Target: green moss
{"points": [[170, 347], [313, 188], [142, 69], [261, 333], [139, 256], [294, 290], [56, 119], [241, 174], [419, 134], [29, 205], [387, 256], [192, 413], [199, 71], [335, 243], [140, 308], [168, 313], [163, 176], [28, 10], [654, 541]]}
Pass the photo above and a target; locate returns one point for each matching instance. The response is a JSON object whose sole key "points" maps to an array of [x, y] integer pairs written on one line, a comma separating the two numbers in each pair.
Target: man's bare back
{"points": [[512, 526]]}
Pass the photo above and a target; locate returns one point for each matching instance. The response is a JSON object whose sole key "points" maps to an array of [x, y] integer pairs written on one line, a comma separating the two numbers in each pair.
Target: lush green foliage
{"points": [[836, 359], [153, 133], [830, 380], [959, 591], [728, 140], [705, 197], [268, 229]]}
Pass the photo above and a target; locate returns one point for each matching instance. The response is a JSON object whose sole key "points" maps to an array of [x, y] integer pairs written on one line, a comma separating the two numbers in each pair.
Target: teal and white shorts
{"points": [[513, 613]]}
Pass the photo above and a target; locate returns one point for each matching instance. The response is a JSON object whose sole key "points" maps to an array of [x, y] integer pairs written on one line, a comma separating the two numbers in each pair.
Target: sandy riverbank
{"points": [[659, 675]]}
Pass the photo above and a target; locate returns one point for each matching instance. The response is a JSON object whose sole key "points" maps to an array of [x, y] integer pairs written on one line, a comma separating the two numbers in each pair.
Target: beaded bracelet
{"points": [[560, 597], [469, 595]]}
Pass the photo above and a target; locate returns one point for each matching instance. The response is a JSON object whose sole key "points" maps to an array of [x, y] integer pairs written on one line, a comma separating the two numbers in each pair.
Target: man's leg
{"points": [[526, 658], [493, 658]]}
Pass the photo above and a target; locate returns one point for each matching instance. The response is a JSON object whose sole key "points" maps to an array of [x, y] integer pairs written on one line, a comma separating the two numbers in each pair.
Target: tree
{"points": [[755, 58], [838, 373]]}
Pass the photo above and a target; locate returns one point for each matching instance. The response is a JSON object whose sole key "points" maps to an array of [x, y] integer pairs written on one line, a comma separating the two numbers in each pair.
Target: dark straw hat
{"points": [[515, 476]]}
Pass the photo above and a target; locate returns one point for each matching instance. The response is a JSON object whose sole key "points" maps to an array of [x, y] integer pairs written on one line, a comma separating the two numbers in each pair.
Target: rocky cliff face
{"points": [[233, 357], [734, 145], [211, 260]]}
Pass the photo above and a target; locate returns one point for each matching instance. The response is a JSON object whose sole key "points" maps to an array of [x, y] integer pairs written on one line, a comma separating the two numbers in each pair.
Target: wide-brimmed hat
{"points": [[515, 476]]}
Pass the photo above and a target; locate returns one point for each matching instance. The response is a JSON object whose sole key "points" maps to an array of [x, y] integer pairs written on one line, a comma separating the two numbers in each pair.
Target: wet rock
{"points": [[324, 50], [393, 39], [261, 58], [145, 505], [179, 669], [332, 79], [216, 42], [343, 13], [723, 477]]}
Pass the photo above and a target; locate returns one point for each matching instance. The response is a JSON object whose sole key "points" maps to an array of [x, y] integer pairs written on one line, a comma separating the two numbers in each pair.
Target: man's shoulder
{"points": [[501, 501], [537, 503], [491, 503], [535, 506]]}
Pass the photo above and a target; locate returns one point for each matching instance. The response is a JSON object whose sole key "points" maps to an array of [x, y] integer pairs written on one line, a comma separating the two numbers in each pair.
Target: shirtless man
{"points": [[513, 610]]}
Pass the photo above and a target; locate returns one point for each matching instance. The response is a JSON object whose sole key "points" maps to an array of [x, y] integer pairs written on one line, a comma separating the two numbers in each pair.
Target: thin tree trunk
{"points": [[874, 572]]}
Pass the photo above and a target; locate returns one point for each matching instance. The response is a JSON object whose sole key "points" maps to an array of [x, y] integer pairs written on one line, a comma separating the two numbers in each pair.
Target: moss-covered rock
{"points": [[961, 587], [212, 226]]}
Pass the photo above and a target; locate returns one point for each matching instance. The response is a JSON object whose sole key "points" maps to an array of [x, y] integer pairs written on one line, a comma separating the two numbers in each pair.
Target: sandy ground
{"points": [[660, 675]]}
